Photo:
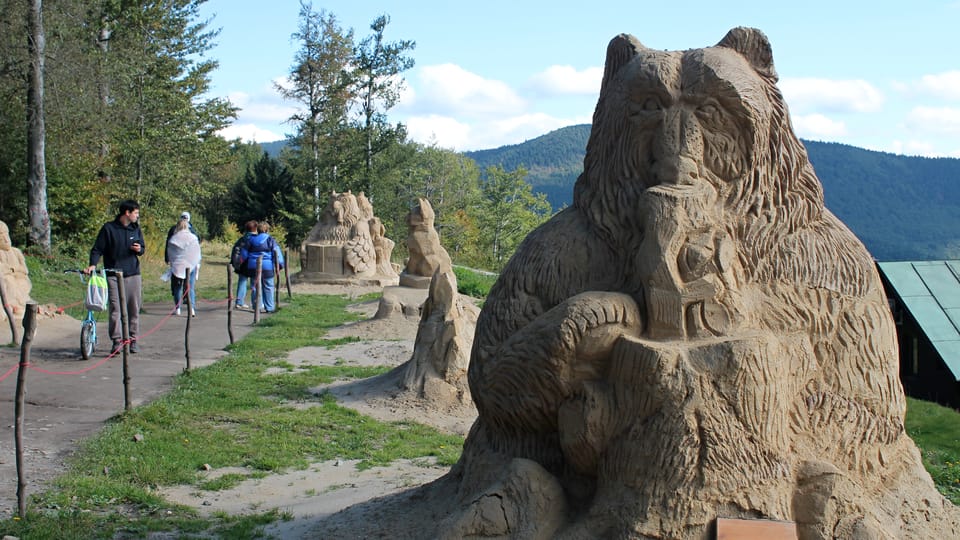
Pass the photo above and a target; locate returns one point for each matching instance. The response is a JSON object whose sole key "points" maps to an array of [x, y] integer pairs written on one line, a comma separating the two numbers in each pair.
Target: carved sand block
{"points": [[437, 371], [347, 245], [697, 337]]}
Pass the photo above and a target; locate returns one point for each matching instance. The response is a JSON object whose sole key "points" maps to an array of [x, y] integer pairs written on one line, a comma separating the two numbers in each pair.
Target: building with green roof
{"points": [[925, 299]]}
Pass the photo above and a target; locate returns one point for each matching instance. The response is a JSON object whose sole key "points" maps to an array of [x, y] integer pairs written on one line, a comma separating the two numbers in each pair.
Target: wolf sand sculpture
{"points": [[423, 245], [696, 337]]}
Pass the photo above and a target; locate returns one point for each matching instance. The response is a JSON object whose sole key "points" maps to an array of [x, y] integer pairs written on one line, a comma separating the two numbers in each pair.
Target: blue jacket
{"points": [[261, 246]]}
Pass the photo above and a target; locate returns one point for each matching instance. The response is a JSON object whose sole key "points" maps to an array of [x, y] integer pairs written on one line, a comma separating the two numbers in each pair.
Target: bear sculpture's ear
{"points": [[753, 45], [620, 51]]}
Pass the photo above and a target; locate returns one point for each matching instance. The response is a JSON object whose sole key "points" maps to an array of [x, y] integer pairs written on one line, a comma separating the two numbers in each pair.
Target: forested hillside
{"points": [[901, 207]]}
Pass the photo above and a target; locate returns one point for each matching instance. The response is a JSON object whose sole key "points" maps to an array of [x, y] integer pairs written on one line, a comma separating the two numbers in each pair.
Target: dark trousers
{"points": [[132, 288]]}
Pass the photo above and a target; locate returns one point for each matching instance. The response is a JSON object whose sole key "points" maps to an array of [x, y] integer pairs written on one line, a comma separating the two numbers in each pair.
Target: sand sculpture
{"points": [[13, 271], [696, 337], [437, 371], [423, 245], [348, 245]]}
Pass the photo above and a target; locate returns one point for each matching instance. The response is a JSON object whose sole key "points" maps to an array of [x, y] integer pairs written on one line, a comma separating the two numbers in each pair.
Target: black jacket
{"points": [[113, 244]]}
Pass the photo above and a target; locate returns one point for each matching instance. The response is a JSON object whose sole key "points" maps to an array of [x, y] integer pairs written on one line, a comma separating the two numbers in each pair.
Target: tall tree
{"points": [[266, 192], [320, 80], [508, 211], [378, 67], [164, 140], [37, 176]]}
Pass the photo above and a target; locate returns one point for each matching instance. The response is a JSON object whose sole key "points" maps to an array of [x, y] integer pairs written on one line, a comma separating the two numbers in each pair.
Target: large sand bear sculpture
{"points": [[696, 337]]}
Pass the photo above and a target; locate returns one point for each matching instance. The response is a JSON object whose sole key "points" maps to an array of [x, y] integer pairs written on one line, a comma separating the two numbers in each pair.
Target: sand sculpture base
{"points": [[324, 264]]}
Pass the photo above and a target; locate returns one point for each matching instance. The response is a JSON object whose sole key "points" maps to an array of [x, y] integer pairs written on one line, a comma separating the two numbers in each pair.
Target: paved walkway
{"points": [[65, 404]]}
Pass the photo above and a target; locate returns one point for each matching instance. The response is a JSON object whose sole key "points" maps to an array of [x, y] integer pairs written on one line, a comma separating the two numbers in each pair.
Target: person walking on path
{"points": [[195, 269], [239, 264], [263, 247], [120, 244], [183, 254]]}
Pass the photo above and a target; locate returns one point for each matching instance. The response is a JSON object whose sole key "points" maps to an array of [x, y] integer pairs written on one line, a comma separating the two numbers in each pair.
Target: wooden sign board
{"points": [[755, 529]]}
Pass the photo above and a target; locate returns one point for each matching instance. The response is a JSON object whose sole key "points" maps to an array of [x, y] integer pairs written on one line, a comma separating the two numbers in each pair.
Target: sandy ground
{"points": [[317, 497]]}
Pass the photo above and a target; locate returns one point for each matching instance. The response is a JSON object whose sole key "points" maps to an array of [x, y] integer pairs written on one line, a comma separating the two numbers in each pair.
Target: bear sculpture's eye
{"points": [[651, 104], [646, 108], [710, 112]]}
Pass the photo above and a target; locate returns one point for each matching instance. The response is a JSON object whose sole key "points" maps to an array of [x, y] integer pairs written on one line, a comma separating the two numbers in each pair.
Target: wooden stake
{"points": [[29, 330], [286, 273], [230, 301], [125, 325], [186, 332]]}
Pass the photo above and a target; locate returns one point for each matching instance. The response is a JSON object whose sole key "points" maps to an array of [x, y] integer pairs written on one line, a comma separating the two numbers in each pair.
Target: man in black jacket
{"points": [[120, 243]]}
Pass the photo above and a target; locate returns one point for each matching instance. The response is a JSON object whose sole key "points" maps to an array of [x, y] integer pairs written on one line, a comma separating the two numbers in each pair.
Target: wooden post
{"points": [[29, 330], [286, 273], [186, 332], [230, 301], [276, 285], [14, 333], [125, 326], [258, 291]]}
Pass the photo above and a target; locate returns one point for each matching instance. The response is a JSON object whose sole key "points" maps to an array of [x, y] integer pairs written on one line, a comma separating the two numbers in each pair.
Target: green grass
{"points": [[473, 283], [936, 430], [234, 413]]}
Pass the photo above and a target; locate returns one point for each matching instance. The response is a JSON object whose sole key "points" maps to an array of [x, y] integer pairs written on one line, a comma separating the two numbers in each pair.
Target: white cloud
{"points": [[913, 148], [446, 132], [944, 85], [249, 133], [515, 130], [826, 95], [562, 80], [817, 126], [448, 89], [263, 107], [942, 120]]}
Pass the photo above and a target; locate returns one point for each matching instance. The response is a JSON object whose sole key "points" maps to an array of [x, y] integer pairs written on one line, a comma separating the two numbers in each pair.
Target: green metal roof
{"points": [[930, 290]]}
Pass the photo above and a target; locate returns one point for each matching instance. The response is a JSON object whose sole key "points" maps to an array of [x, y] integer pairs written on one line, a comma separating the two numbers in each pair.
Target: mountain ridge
{"points": [[901, 207]]}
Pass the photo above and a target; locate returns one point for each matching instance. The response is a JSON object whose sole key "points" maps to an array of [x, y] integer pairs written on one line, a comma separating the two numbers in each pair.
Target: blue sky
{"points": [[878, 75]]}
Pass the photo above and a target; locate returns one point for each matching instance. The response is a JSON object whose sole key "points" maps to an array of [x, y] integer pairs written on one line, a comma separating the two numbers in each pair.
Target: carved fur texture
{"points": [[697, 332]]}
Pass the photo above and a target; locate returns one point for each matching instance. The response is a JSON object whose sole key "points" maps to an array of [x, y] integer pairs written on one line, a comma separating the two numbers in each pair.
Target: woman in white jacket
{"points": [[183, 250]]}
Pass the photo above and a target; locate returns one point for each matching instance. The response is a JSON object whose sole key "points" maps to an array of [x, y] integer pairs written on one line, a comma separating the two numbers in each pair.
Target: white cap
{"points": [[185, 215]]}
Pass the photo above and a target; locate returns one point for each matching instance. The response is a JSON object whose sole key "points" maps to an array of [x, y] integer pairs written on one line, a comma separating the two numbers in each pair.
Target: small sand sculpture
{"points": [[13, 271]]}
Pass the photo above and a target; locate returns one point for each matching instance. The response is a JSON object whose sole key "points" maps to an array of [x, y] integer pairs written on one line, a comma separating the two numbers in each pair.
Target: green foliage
{"points": [[474, 283], [378, 65], [508, 211], [127, 115], [343, 140], [267, 192]]}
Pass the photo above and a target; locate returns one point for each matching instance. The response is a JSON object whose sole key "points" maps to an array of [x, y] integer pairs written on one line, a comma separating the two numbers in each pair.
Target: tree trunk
{"points": [[37, 174]]}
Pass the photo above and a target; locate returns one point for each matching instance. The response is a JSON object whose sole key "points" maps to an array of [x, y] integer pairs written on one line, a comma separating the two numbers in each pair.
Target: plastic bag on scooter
{"points": [[96, 297]]}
